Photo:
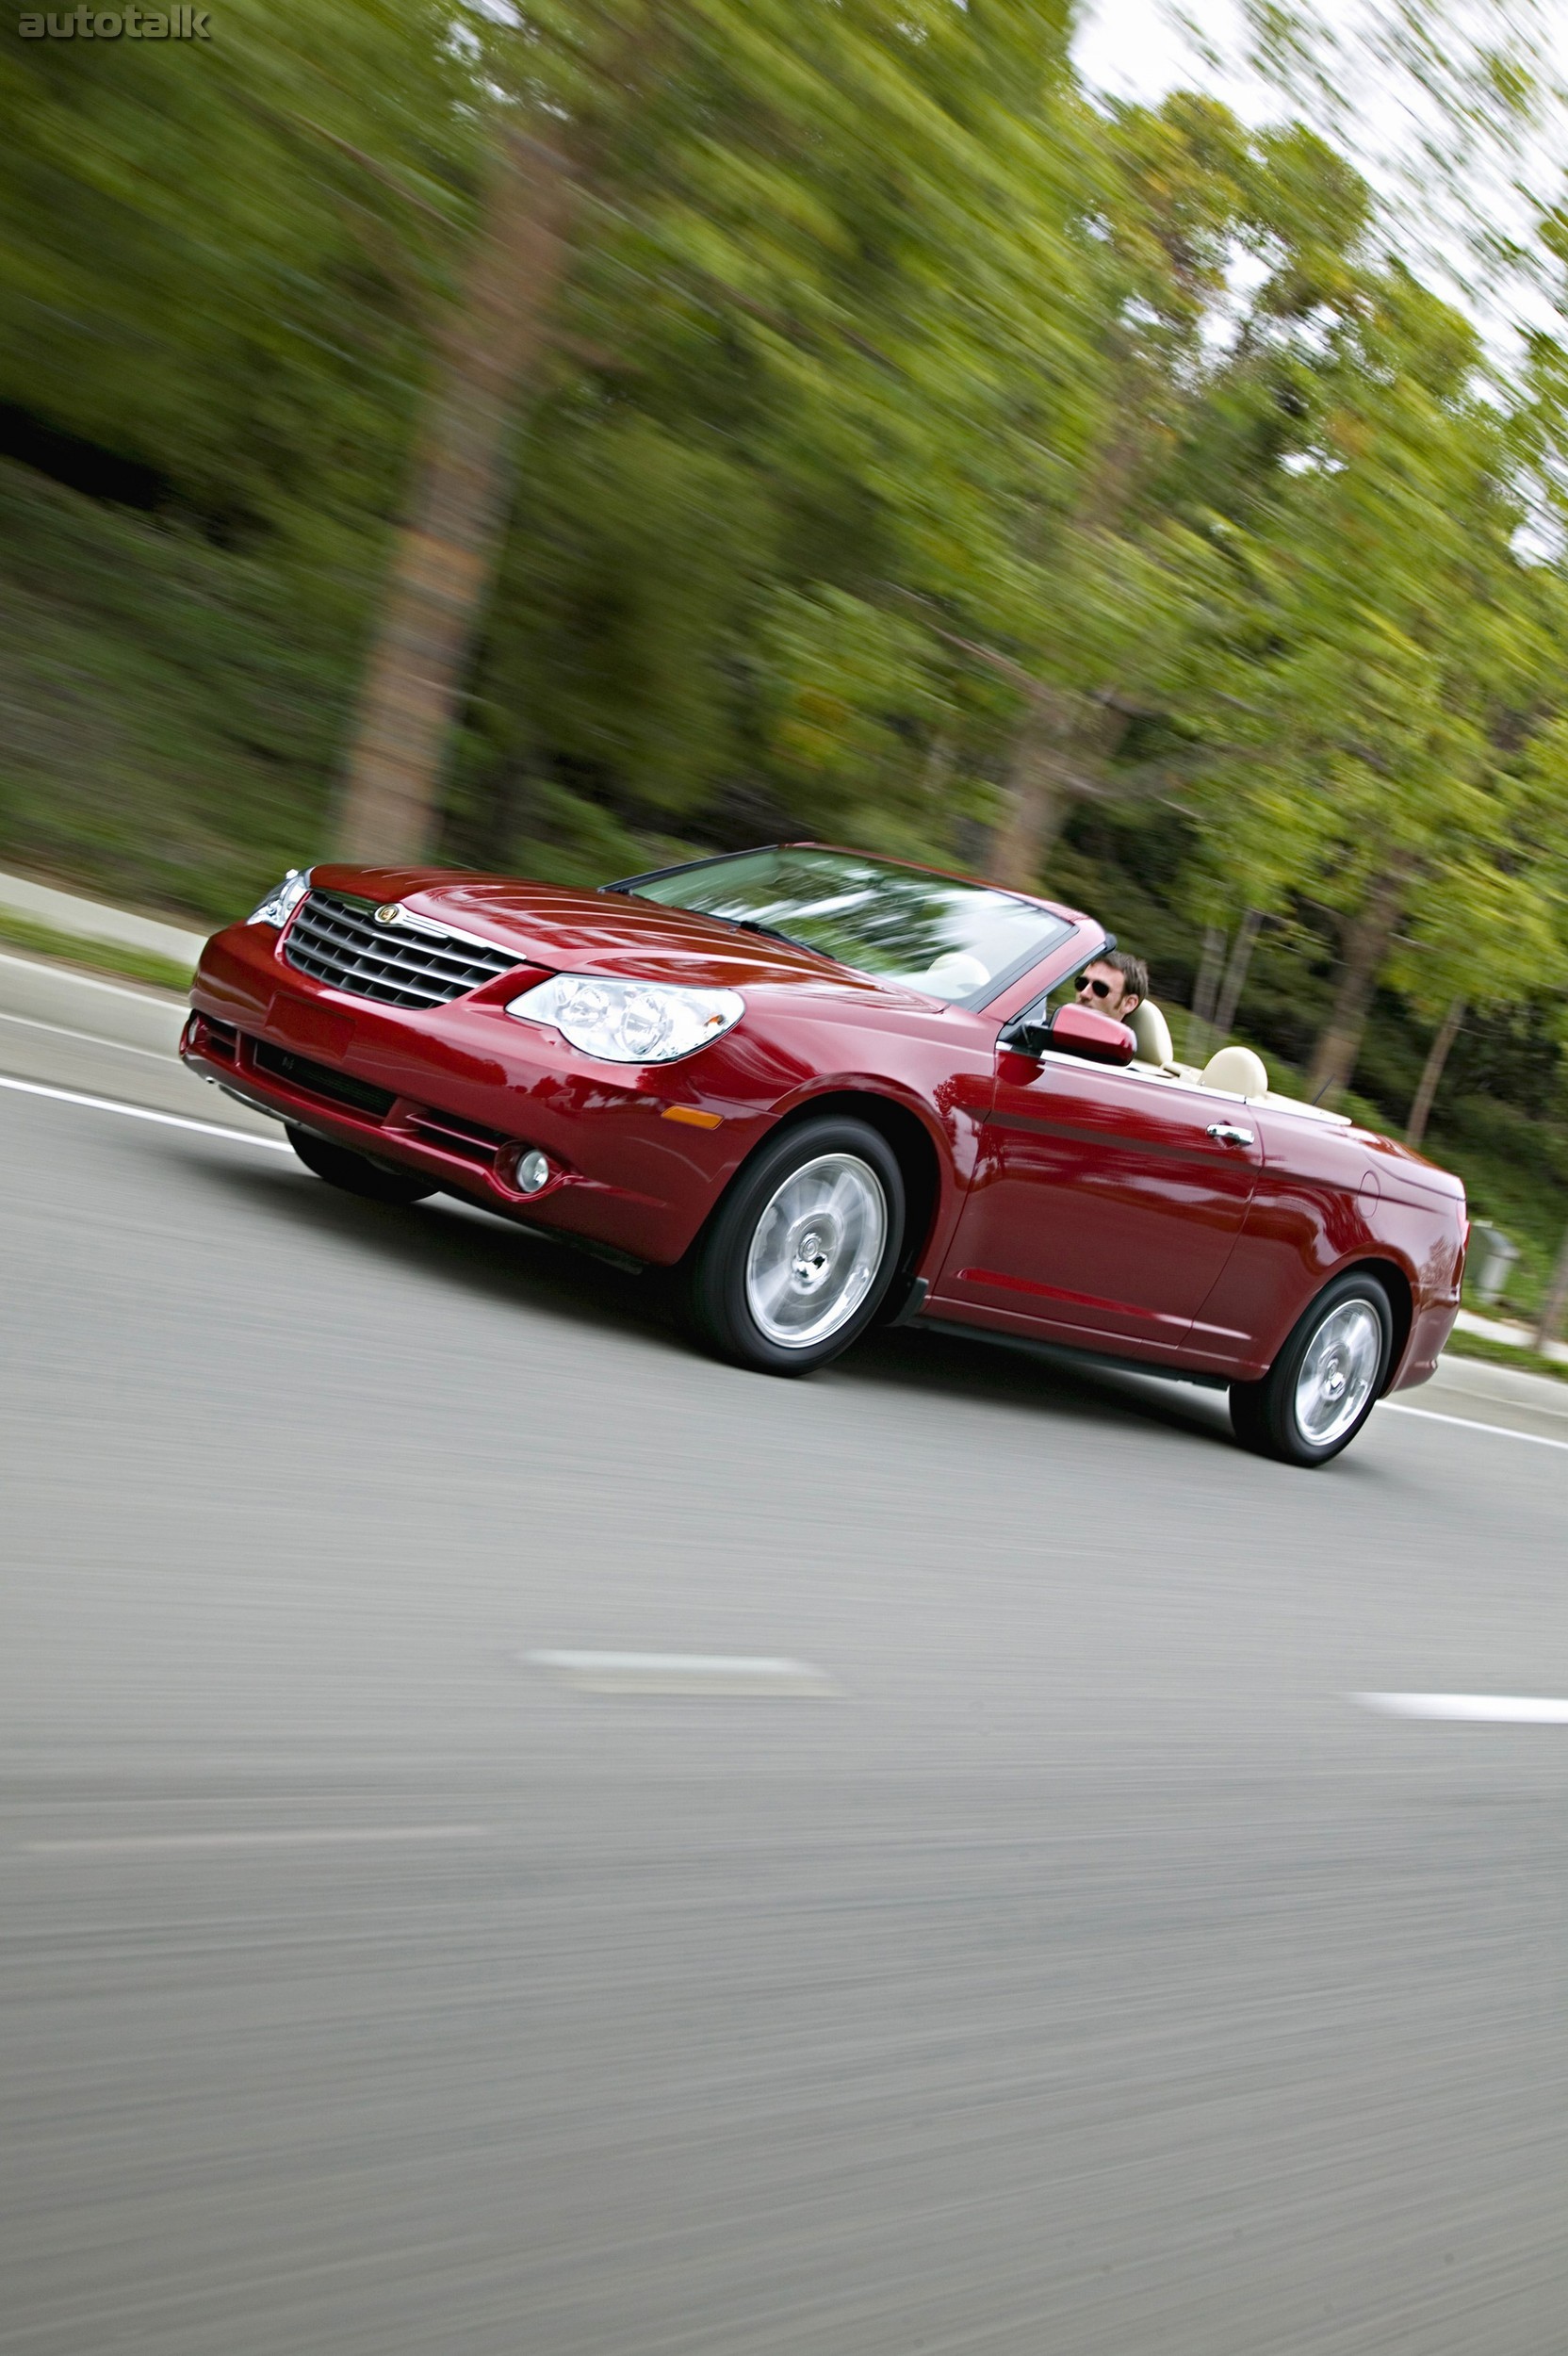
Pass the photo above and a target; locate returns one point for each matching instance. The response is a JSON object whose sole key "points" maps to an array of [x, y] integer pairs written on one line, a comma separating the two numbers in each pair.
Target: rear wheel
{"points": [[355, 1172], [794, 1262], [1325, 1382]]}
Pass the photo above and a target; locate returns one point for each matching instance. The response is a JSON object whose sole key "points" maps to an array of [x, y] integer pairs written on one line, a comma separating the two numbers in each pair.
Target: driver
{"points": [[1114, 984]]}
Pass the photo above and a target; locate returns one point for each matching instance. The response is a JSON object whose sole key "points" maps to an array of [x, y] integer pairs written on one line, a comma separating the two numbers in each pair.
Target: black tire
{"points": [[751, 1224], [355, 1172], [1271, 1418]]}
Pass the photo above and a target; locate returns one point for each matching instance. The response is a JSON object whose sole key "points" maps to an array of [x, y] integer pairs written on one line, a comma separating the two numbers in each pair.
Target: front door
{"points": [[1105, 1203]]}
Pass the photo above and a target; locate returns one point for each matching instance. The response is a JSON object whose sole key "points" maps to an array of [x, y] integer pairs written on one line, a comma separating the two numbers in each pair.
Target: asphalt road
{"points": [[1088, 1975]]}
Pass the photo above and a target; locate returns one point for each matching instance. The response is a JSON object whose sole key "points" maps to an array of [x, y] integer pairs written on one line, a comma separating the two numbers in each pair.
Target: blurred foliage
{"points": [[927, 453]]}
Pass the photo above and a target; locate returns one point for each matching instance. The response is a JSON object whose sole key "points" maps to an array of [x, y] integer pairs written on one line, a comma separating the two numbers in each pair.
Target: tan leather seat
{"points": [[1238, 1071], [1153, 1033]]}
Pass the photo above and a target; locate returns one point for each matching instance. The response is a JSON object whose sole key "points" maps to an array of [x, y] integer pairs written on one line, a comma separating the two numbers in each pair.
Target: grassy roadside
{"points": [[1504, 1355], [94, 956]]}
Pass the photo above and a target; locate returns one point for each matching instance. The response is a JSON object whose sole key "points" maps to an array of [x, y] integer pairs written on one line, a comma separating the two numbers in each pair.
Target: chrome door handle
{"points": [[1227, 1133]]}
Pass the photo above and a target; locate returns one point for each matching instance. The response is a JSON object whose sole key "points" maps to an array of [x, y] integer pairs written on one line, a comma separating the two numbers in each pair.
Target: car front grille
{"points": [[338, 941]]}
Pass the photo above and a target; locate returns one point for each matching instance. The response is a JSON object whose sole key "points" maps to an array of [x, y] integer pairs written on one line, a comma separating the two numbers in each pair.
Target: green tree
{"points": [[1384, 648], [1123, 558], [841, 192], [215, 284]]}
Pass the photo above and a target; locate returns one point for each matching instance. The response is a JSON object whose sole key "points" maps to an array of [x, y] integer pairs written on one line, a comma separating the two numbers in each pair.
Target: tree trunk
{"points": [[445, 552], [1038, 799], [1556, 1300], [1204, 990], [490, 839], [1365, 947], [1432, 1071], [1236, 971]]}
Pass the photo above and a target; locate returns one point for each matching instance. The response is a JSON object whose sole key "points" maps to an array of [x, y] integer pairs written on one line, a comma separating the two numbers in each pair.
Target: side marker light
{"points": [[693, 1116]]}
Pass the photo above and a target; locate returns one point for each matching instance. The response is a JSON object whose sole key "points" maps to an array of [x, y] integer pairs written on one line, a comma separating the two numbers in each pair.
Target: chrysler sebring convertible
{"points": [[837, 1092]]}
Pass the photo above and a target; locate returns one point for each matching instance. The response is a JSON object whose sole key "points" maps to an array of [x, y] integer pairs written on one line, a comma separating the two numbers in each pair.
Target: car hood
{"points": [[606, 932]]}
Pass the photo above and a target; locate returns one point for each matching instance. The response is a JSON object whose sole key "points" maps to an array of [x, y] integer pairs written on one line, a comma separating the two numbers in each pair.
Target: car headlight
{"points": [[630, 1021], [282, 901]]}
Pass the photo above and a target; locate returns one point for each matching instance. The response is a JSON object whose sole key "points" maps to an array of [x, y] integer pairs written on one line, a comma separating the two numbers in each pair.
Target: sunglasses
{"points": [[1087, 981]]}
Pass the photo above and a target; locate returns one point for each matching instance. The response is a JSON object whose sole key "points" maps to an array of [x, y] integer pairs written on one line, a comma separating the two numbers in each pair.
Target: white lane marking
{"points": [[93, 1038], [1468, 1423], [684, 1672], [90, 981], [144, 1112], [336, 1836], [1489, 1709]]}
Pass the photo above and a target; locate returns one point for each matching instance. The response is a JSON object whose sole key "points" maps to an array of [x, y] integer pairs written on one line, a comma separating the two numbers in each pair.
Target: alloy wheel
{"points": [[1339, 1367], [816, 1251]]}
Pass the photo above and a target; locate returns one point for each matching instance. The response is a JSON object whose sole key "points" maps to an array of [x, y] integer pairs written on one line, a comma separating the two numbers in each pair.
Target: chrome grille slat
{"points": [[390, 952], [337, 940], [328, 925]]}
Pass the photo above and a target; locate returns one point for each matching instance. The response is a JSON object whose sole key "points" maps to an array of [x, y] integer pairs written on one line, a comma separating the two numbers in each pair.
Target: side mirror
{"points": [[1097, 1037], [1075, 1030]]}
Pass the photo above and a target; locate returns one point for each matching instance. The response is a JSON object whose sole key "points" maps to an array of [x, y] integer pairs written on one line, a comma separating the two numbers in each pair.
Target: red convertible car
{"points": [[841, 1092]]}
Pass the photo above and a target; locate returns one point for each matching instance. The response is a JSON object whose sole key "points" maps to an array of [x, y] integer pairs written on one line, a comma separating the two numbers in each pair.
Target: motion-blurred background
{"points": [[568, 437]]}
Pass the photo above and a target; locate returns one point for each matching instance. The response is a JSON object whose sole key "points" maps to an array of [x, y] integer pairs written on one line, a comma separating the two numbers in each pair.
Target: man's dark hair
{"points": [[1133, 973]]}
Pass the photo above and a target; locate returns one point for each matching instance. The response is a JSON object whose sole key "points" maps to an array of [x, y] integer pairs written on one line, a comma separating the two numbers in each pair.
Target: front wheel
{"points": [[1326, 1380], [793, 1267], [355, 1172]]}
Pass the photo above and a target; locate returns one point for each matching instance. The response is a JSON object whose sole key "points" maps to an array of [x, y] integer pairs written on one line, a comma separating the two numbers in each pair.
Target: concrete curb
{"points": [[93, 920]]}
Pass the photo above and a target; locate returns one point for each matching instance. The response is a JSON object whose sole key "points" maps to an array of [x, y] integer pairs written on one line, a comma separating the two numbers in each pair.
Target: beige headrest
{"points": [[1238, 1071], [1152, 1033]]}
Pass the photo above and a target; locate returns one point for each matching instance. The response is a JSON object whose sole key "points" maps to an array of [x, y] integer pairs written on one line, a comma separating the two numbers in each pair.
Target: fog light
{"points": [[533, 1171]]}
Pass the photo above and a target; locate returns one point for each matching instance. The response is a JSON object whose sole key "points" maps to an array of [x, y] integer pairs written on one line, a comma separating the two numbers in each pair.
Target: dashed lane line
{"points": [[1481, 1710], [306, 1837], [686, 1673]]}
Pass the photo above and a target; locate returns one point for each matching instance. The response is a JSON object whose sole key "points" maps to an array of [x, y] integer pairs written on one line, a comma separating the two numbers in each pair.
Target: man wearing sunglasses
{"points": [[1114, 984]]}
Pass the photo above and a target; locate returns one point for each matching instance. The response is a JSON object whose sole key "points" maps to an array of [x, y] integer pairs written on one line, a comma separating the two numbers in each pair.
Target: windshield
{"points": [[953, 939]]}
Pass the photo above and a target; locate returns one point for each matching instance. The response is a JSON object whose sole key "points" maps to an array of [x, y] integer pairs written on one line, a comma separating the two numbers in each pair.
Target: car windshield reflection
{"points": [[953, 939]]}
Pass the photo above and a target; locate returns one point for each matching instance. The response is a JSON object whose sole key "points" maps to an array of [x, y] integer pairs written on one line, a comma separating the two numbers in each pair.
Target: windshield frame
{"points": [[1000, 983]]}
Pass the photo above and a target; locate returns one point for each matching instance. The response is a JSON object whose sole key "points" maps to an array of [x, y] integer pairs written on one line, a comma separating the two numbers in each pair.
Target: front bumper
{"points": [[459, 1092]]}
